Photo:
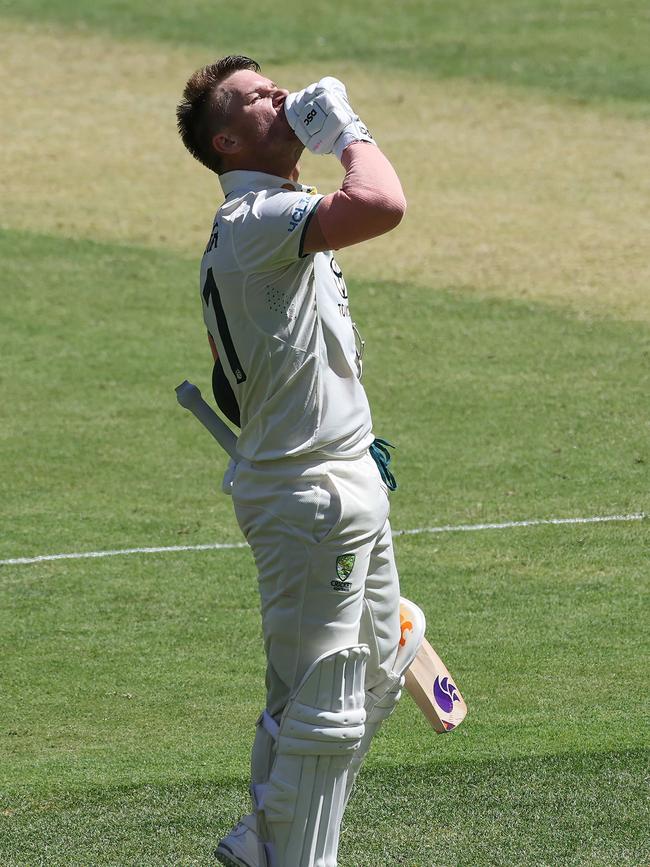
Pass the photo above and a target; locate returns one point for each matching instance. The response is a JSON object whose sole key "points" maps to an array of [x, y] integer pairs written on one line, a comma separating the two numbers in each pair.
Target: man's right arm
{"points": [[369, 203]]}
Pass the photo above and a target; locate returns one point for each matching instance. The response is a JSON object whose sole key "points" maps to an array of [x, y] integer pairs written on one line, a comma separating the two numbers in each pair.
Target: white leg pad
{"points": [[302, 804], [381, 701]]}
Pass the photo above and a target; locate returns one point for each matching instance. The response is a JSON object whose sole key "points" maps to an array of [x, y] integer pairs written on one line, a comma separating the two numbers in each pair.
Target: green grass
{"points": [[135, 683], [130, 685], [505, 409], [589, 49], [455, 814], [500, 410], [97, 337]]}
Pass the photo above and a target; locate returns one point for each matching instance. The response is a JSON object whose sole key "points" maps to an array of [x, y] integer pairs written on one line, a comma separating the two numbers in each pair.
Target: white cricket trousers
{"points": [[321, 539]]}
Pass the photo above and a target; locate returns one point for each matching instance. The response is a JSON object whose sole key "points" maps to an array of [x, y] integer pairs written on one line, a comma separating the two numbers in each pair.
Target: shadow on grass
{"points": [[577, 809]]}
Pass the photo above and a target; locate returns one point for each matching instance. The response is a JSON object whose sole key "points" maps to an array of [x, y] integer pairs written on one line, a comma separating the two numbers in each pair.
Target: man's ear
{"points": [[225, 143]]}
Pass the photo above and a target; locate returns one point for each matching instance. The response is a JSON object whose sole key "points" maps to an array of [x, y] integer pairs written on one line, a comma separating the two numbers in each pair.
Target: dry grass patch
{"points": [[510, 192]]}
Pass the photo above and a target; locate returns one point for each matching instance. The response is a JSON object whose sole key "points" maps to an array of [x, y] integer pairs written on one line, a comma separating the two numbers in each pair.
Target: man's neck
{"points": [[289, 168]]}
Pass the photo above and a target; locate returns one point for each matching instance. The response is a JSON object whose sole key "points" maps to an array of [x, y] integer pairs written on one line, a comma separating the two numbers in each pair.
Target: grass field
{"points": [[508, 356]]}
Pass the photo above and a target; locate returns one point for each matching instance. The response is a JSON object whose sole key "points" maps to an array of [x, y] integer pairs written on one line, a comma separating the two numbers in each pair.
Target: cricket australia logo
{"points": [[344, 567]]}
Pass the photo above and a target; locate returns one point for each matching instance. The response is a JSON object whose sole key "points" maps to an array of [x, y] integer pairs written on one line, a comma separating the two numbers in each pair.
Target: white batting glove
{"points": [[323, 119]]}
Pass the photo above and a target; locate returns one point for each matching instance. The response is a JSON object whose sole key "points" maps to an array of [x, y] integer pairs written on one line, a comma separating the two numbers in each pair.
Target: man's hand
{"points": [[323, 119]]}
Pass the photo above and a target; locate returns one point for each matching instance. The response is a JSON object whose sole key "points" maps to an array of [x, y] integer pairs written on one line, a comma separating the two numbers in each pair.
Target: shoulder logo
{"points": [[344, 567], [298, 212]]}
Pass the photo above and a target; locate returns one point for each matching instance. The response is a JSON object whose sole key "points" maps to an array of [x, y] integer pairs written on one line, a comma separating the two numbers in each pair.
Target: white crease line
{"points": [[458, 528]]}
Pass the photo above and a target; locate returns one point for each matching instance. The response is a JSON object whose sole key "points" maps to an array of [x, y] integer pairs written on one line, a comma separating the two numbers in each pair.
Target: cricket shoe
{"points": [[241, 848]]}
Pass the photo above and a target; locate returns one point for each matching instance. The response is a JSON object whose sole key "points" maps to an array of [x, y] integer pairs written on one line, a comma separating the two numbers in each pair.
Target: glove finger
{"points": [[310, 118], [300, 97], [322, 142], [297, 126], [294, 109], [313, 116], [334, 85], [290, 111], [333, 103]]}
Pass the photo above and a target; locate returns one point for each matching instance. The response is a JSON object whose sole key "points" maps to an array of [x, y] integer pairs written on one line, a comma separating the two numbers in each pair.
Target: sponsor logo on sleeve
{"points": [[298, 213]]}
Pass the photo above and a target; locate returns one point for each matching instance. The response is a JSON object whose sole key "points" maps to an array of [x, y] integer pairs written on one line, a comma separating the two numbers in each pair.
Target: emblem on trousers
{"points": [[344, 567]]}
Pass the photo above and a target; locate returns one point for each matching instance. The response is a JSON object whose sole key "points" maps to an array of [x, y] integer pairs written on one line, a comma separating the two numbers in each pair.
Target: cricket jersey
{"points": [[281, 322]]}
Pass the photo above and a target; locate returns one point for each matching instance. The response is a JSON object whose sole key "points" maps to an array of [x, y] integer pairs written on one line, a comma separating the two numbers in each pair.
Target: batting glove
{"points": [[323, 119]]}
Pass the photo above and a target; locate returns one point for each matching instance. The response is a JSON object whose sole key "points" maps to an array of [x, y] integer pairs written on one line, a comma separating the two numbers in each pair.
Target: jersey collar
{"points": [[245, 182]]}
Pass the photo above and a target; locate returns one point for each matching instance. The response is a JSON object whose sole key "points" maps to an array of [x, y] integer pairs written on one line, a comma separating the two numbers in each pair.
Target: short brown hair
{"points": [[201, 114]]}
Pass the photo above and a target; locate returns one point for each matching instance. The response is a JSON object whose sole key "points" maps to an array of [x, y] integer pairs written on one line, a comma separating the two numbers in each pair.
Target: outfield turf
{"points": [[508, 356], [587, 48]]}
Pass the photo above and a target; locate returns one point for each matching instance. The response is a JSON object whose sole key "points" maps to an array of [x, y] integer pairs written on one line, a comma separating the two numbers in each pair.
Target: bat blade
{"points": [[427, 678], [434, 690]]}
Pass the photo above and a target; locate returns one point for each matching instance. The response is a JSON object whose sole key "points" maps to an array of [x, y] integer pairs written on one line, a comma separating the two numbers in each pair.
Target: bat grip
{"points": [[189, 397]]}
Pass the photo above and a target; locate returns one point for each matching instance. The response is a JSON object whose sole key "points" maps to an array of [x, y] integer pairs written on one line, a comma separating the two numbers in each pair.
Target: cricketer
{"points": [[310, 487]]}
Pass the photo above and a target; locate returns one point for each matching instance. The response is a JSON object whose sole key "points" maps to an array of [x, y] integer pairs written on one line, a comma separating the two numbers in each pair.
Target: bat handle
{"points": [[188, 394], [189, 397]]}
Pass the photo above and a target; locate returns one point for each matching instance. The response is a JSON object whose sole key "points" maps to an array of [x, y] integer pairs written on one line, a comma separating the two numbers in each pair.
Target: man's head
{"points": [[231, 117]]}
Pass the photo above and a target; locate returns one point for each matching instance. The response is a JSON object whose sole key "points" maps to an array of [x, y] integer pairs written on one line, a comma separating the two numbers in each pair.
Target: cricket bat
{"points": [[427, 678], [189, 397]]}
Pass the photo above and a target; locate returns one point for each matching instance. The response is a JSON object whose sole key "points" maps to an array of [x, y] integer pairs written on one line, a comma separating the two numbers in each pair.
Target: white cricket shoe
{"points": [[240, 848]]}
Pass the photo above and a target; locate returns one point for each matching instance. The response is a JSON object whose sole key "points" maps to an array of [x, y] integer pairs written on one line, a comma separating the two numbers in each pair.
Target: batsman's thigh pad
{"points": [[413, 624], [302, 804], [382, 698], [380, 623]]}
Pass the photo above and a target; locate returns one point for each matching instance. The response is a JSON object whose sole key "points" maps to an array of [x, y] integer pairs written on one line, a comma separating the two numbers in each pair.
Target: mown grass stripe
{"points": [[212, 546], [566, 47], [496, 180]]}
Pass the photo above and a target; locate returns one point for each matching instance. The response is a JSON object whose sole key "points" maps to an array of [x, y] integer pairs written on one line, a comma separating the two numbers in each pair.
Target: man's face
{"points": [[256, 112]]}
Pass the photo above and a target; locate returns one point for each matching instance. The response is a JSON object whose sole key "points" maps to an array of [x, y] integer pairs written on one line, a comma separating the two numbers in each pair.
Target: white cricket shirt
{"points": [[282, 326]]}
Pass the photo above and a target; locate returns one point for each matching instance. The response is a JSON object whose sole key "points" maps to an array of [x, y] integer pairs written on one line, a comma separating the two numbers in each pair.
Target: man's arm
{"points": [[370, 202]]}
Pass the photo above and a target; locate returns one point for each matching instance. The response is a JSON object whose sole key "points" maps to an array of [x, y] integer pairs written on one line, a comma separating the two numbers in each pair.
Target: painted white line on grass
{"points": [[535, 522], [161, 550], [451, 528]]}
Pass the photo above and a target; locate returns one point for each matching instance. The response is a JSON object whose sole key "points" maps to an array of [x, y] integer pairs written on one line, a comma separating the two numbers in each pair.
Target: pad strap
{"points": [[272, 727]]}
